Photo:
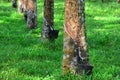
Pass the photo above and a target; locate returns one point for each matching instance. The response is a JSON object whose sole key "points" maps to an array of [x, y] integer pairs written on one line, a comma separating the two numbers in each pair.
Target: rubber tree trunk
{"points": [[30, 13], [21, 5], [118, 1], [75, 57], [48, 19]]}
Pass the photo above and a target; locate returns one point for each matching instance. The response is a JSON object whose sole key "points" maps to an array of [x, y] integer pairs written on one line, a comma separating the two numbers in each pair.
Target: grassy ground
{"points": [[24, 57]]}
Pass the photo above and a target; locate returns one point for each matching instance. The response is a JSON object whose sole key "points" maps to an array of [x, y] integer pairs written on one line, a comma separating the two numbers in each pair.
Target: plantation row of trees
{"points": [[24, 56], [75, 57]]}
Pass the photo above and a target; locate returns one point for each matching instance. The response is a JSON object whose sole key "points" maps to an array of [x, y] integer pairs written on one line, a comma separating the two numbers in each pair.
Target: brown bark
{"points": [[48, 18], [118, 1], [75, 57], [20, 6], [30, 13]]}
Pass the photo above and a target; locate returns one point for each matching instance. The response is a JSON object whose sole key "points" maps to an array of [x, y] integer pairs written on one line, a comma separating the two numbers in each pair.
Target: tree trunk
{"points": [[21, 6], [75, 57], [48, 19], [30, 13], [118, 1]]}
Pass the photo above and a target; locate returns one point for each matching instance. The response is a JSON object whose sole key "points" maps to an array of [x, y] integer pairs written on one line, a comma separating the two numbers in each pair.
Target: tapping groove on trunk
{"points": [[75, 45]]}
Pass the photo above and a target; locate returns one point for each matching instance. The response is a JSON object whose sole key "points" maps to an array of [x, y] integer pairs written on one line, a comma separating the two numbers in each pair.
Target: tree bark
{"points": [[20, 5], [75, 57], [118, 1], [48, 19], [30, 13]]}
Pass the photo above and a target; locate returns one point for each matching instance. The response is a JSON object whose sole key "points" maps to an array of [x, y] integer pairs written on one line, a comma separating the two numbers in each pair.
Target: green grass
{"points": [[24, 57]]}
